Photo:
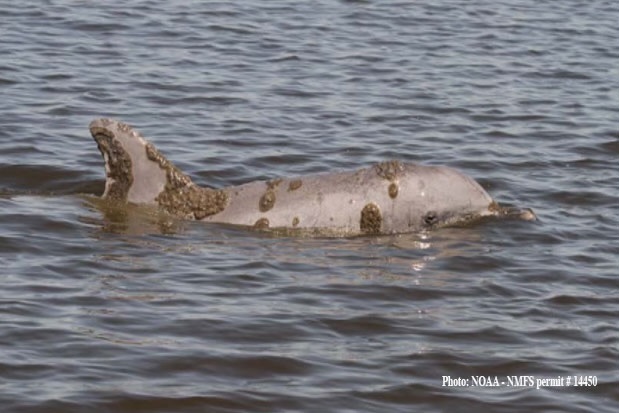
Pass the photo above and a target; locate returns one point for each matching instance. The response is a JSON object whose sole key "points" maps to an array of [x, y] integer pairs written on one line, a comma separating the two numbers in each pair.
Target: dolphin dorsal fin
{"points": [[135, 170]]}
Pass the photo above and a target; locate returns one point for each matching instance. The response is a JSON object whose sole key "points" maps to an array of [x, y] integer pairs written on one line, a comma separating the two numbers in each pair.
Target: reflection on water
{"points": [[130, 219]]}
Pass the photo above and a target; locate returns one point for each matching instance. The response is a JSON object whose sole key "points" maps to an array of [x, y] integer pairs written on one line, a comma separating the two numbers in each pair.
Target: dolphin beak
{"points": [[525, 214]]}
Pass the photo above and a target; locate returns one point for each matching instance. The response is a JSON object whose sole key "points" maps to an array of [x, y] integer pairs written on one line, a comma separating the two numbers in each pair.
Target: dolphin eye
{"points": [[431, 218]]}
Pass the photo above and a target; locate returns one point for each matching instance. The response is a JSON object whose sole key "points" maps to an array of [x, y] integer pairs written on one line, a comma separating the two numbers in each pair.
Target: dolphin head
{"points": [[447, 197]]}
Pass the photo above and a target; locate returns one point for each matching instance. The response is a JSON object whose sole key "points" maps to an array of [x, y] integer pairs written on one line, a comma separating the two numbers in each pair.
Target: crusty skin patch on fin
{"points": [[181, 196], [131, 176], [117, 164], [175, 177]]}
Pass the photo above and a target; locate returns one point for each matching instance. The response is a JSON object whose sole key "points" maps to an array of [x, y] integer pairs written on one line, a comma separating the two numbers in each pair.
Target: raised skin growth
{"points": [[371, 219], [295, 184], [390, 197], [267, 201]]}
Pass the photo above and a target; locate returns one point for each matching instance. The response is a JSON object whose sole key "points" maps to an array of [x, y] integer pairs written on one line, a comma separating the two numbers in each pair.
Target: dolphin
{"points": [[386, 198]]}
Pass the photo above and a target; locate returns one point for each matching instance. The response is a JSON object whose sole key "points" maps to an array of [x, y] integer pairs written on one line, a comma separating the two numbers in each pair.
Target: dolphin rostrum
{"points": [[386, 198]]}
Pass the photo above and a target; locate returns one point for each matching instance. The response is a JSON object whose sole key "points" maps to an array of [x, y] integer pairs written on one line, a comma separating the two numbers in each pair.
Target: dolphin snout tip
{"points": [[527, 214]]}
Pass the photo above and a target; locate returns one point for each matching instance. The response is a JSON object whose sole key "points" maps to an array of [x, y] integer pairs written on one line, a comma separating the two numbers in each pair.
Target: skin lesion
{"points": [[262, 223], [371, 219], [192, 201], [267, 201], [389, 170], [294, 185], [393, 190], [118, 164], [175, 177]]}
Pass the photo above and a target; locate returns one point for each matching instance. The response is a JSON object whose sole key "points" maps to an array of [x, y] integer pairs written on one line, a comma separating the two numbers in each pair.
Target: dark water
{"points": [[105, 312]]}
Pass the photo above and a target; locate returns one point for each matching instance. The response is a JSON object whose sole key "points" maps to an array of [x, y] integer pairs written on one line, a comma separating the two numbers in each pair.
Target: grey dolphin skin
{"points": [[386, 198]]}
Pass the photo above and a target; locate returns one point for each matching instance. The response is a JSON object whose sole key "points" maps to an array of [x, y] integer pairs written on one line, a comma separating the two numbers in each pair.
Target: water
{"points": [[105, 312]]}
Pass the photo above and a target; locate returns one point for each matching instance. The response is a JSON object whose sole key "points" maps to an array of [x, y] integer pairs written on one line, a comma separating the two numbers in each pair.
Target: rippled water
{"points": [[115, 312]]}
